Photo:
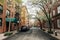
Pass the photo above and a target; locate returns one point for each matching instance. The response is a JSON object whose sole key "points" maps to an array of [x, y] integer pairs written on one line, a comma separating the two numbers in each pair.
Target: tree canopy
{"points": [[2, 1], [18, 1], [46, 6]]}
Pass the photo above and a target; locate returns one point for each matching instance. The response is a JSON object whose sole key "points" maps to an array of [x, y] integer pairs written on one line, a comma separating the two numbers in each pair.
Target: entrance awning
{"points": [[11, 20]]}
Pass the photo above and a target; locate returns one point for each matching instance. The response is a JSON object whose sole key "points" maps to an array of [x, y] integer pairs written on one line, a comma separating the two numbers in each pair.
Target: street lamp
{"points": [[17, 21]]}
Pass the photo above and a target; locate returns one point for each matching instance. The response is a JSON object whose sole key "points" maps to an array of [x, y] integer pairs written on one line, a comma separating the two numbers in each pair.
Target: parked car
{"points": [[24, 28]]}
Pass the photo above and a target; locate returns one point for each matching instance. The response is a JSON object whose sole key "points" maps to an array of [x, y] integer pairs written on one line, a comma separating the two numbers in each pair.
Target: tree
{"points": [[18, 11], [40, 17], [18, 1], [2, 1], [39, 22], [46, 7]]}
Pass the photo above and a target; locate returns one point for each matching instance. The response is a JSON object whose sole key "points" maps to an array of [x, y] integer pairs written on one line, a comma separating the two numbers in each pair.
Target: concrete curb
{"points": [[10, 36], [50, 35], [41, 30]]}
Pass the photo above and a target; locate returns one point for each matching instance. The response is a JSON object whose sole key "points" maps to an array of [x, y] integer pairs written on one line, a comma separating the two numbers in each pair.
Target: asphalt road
{"points": [[32, 34]]}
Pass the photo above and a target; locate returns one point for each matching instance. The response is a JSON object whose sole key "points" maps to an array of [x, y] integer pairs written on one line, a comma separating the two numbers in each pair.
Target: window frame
{"points": [[1, 10]]}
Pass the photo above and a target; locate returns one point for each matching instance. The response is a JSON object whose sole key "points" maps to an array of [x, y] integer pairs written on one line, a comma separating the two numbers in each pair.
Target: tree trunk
{"points": [[17, 27], [50, 25], [41, 26]]}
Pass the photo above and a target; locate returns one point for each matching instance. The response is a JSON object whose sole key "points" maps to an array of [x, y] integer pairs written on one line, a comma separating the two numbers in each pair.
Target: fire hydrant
{"points": [[55, 33]]}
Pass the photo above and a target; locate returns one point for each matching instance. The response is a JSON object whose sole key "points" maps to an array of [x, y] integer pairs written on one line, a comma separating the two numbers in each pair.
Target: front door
{"points": [[58, 23], [7, 26]]}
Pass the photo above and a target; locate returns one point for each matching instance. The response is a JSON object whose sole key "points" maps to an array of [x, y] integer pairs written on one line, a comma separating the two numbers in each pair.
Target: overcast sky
{"points": [[30, 7]]}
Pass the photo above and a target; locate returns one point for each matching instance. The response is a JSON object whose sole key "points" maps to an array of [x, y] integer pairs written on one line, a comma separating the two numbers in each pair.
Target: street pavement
{"points": [[32, 34]]}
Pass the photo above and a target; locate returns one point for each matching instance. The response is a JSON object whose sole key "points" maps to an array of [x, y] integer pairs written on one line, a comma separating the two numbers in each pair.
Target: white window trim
{"points": [[58, 23], [58, 9]]}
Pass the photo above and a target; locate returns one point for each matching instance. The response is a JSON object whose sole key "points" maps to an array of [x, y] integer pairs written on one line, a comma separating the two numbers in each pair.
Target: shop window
{"points": [[0, 21], [1, 9]]}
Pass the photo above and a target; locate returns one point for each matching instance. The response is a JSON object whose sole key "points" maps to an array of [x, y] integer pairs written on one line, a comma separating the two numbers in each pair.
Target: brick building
{"points": [[10, 12], [2, 16], [56, 14], [7, 11], [24, 16]]}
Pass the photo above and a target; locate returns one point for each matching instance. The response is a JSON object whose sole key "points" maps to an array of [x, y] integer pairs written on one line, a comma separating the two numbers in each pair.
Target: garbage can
{"points": [[55, 33]]}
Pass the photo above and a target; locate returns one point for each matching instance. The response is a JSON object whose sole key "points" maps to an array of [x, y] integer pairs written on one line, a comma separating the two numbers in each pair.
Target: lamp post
{"points": [[17, 7], [17, 21], [28, 20], [18, 26]]}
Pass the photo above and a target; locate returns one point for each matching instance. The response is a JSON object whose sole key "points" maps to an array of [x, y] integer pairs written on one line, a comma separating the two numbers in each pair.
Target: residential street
{"points": [[29, 19], [32, 34]]}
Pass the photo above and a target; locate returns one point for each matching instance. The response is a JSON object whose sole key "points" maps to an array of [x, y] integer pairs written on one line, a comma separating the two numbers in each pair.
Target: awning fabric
{"points": [[11, 20]]}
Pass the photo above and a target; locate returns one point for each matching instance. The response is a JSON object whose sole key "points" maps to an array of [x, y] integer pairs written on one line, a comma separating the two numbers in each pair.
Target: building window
{"points": [[58, 23], [53, 12], [0, 21], [7, 12], [58, 9], [9, 3], [53, 1], [1, 9], [57, 0]]}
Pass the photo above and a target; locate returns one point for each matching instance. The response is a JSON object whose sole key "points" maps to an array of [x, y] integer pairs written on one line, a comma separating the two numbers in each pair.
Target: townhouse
{"points": [[7, 10], [24, 16], [56, 14]]}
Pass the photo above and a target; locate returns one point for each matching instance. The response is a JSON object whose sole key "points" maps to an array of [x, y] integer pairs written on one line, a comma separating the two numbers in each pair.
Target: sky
{"points": [[30, 7]]}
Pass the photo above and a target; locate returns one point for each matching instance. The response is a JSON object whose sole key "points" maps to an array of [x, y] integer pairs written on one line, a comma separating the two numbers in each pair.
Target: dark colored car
{"points": [[24, 28]]}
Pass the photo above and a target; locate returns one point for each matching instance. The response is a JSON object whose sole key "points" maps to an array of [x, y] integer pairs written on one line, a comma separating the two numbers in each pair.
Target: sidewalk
{"points": [[34, 35], [3, 37], [58, 33]]}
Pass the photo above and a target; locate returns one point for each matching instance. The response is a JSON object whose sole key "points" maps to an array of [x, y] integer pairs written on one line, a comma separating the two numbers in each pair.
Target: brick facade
{"points": [[56, 17], [11, 8], [24, 16]]}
